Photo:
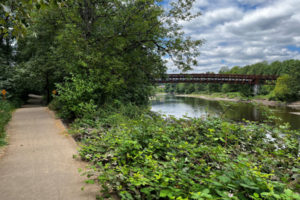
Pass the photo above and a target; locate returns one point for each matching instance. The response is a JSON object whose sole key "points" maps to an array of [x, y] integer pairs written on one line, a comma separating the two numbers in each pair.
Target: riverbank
{"points": [[294, 105], [137, 154]]}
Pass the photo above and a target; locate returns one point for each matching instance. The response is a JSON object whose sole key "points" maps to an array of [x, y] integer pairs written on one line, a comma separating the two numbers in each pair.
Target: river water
{"points": [[237, 111]]}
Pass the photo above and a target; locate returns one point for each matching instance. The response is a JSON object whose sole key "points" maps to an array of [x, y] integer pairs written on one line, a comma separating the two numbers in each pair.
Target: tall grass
{"points": [[5, 115]]}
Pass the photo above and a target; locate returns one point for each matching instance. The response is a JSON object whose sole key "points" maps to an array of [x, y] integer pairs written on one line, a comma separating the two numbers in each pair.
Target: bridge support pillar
{"points": [[256, 89]]}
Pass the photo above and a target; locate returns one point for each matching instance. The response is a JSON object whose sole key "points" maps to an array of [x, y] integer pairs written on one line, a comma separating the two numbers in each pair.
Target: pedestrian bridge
{"points": [[218, 78]]}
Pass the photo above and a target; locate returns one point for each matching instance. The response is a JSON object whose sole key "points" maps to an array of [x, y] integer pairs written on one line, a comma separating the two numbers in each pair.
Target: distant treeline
{"points": [[287, 87]]}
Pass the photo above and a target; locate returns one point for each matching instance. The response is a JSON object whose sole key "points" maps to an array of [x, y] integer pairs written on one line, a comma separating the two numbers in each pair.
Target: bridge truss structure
{"points": [[219, 78]]}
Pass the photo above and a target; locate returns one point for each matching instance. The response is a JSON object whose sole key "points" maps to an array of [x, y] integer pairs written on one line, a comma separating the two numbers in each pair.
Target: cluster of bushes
{"points": [[139, 155], [5, 115]]}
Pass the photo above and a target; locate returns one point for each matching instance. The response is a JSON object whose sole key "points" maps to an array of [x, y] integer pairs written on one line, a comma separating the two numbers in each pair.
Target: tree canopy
{"points": [[118, 45]]}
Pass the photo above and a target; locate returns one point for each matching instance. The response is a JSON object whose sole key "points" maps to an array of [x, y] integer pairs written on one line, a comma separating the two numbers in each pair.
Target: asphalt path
{"points": [[38, 163]]}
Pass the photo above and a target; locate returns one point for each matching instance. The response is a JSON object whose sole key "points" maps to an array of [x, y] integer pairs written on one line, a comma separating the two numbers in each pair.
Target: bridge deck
{"points": [[218, 78]]}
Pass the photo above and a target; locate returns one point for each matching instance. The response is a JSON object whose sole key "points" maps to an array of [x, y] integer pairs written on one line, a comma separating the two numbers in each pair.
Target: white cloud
{"points": [[242, 32], [254, 2]]}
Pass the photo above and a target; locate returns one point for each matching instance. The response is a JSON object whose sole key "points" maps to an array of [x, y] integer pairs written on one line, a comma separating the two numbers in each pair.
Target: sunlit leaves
{"points": [[153, 158]]}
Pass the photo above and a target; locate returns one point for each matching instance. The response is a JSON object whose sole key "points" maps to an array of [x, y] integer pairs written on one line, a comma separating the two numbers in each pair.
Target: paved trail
{"points": [[38, 163]]}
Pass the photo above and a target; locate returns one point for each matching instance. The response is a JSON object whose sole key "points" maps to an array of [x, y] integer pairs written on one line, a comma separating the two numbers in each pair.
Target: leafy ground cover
{"points": [[5, 115], [139, 155]]}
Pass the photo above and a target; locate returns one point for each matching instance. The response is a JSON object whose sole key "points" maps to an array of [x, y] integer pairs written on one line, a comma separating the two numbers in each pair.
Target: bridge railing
{"points": [[218, 78]]}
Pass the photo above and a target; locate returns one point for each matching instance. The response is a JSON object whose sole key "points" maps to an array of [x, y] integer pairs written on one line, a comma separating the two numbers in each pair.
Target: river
{"points": [[237, 111]]}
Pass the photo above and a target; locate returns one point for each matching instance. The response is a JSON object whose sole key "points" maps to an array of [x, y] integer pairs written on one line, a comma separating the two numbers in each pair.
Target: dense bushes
{"points": [[5, 115], [146, 157], [76, 97], [283, 90]]}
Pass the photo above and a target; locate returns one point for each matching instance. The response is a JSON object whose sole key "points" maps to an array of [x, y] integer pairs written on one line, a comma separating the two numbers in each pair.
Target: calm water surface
{"points": [[237, 111]]}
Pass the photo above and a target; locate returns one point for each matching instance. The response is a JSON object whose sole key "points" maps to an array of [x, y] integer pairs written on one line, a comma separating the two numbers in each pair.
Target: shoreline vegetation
{"points": [[263, 101], [285, 89], [137, 154]]}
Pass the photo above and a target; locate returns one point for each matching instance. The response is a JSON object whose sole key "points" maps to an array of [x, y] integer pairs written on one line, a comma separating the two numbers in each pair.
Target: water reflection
{"points": [[196, 107]]}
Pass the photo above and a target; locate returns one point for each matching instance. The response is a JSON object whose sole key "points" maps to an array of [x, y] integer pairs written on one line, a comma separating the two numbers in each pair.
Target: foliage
{"points": [[11, 79], [76, 97], [284, 88], [143, 156], [5, 115], [288, 67], [131, 56], [17, 14], [37, 56], [105, 54], [120, 43]]}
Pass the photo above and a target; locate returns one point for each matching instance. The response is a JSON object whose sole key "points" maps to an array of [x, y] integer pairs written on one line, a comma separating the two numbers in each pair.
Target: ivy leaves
{"points": [[153, 158]]}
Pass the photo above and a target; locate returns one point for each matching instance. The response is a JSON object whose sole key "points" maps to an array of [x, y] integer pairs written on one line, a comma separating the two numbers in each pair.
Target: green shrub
{"points": [[76, 97], [283, 90], [54, 105], [146, 157]]}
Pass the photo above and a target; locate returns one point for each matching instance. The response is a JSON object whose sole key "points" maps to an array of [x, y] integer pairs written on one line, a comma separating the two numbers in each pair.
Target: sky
{"points": [[243, 32]]}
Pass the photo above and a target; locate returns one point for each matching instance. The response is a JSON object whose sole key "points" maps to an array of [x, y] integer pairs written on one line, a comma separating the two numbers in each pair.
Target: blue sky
{"points": [[242, 32]]}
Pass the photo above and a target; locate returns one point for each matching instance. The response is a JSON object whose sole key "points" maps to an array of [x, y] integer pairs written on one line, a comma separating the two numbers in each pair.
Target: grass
{"points": [[6, 109]]}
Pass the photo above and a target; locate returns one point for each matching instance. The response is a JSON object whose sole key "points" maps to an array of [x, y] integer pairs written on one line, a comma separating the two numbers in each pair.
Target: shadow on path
{"points": [[34, 101]]}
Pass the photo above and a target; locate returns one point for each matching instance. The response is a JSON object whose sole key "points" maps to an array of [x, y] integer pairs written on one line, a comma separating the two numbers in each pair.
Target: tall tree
{"points": [[120, 44], [36, 52], [107, 50]]}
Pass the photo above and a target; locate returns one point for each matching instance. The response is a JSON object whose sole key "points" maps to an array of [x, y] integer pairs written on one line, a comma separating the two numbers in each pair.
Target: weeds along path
{"points": [[38, 163]]}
